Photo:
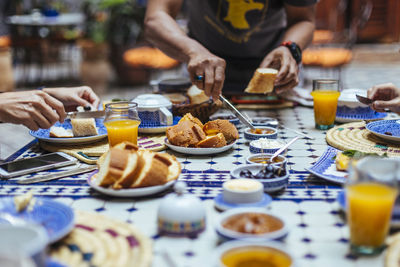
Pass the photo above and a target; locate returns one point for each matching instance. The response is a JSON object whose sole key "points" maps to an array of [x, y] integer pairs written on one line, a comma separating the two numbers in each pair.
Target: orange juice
{"points": [[122, 130], [325, 104], [369, 209]]}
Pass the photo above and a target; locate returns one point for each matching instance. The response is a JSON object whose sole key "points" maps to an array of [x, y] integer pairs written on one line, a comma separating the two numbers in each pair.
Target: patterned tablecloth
{"points": [[318, 234]]}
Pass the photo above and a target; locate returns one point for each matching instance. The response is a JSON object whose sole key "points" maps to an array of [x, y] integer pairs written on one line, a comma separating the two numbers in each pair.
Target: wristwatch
{"points": [[294, 49]]}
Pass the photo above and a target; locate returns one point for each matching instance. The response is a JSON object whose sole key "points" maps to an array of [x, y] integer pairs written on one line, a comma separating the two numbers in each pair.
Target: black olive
{"points": [[246, 174]]}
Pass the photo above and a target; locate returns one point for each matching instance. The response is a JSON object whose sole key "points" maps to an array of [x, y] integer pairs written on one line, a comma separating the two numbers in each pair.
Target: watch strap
{"points": [[294, 49]]}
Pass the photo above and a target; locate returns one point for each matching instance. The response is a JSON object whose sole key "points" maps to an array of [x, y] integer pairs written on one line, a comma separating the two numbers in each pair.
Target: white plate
{"points": [[199, 150], [134, 192], [44, 134]]}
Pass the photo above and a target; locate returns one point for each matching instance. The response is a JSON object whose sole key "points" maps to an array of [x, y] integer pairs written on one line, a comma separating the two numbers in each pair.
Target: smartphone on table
{"points": [[35, 164]]}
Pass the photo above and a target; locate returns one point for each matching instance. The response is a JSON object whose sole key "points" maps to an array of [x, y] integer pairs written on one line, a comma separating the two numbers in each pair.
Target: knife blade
{"points": [[236, 112], [86, 114], [364, 100], [57, 175]]}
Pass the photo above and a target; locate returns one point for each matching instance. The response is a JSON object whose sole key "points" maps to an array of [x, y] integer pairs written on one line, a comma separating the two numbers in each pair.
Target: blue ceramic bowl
{"points": [[270, 185], [256, 149], [252, 158], [265, 121], [253, 136]]}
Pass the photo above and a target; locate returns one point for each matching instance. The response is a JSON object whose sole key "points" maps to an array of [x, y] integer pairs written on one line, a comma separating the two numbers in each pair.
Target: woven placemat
{"points": [[152, 142], [354, 135], [97, 240]]}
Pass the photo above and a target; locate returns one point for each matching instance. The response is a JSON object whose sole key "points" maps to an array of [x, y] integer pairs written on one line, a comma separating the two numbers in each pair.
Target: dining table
{"points": [[318, 232]]}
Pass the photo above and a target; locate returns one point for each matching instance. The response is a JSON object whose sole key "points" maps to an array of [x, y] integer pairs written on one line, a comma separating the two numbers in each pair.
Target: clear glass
{"points": [[326, 94], [122, 122], [371, 192]]}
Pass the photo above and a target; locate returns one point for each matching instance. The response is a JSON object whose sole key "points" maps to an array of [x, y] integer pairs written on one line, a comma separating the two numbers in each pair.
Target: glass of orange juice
{"points": [[371, 193], [122, 122], [326, 94]]}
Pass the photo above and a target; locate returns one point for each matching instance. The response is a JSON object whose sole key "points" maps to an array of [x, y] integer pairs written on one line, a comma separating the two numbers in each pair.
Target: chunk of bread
{"points": [[222, 126], [84, 127], [185, 133], [189, 117], [217, 140], [262, 81], [60, 132], [196, 95], [113, 167], [174, 167]]}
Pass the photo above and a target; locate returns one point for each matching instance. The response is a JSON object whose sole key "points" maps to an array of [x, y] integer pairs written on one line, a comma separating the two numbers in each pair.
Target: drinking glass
{"points": [[122, 122], [371, 192], [326, 94]]}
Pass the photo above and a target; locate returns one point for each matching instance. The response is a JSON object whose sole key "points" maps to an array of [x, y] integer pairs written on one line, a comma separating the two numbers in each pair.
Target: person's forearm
{"points": [[301, 33]]}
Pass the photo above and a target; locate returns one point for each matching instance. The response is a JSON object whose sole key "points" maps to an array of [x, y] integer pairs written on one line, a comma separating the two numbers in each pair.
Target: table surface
{"points": [[318, 234]]}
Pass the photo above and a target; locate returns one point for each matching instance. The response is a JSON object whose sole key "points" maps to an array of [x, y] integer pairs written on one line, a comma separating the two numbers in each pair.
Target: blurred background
{"points": [[99, 43]]}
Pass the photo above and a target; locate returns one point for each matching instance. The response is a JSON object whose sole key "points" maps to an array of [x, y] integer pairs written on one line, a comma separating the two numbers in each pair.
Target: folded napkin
{"points": [[299, 95]]}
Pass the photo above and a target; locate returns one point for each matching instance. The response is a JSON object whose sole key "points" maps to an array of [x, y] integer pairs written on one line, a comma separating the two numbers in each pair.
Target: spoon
{"points": [[283, 148]]}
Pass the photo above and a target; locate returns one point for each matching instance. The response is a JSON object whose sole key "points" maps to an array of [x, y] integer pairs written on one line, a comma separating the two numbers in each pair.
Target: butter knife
{"points": [[237, 112], [86, 114], [364, 100], [57, 175]]}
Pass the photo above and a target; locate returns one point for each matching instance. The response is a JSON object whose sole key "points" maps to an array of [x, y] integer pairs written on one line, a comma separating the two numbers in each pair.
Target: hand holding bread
{"points": [[262, 81]]}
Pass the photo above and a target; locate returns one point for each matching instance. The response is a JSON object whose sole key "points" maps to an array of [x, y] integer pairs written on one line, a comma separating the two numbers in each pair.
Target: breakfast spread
{"points": [[125, 166], [80, 127], [253, 223], [190, 132], [269, 172]]}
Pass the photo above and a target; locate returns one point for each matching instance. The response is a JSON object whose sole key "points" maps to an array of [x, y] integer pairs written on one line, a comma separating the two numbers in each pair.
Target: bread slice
{"points": [[84, 127], [262, 81], [222, 126], [113, 167], [174, 167], [190, 117], [196, 96], [185, 133], [153, 171], [217, 140], [60, 132]]}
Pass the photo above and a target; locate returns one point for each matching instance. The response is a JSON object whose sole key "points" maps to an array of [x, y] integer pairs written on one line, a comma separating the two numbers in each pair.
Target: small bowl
{"points": [[265, 121], [240, 191], [264, 156], [226, 116], [270, 185], [253, 136], [255, 148], [241, 246], [225, 233], [348, 105]]}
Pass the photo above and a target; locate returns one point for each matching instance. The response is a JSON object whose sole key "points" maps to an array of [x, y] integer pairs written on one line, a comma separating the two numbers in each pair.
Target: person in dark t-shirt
{"points": [[229, 39]]}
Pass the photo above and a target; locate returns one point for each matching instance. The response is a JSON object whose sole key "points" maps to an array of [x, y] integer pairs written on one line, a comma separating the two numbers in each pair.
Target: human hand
{"points": [[281, 59], [212, 68], [385, 96], [75, 96], [34, 109]]}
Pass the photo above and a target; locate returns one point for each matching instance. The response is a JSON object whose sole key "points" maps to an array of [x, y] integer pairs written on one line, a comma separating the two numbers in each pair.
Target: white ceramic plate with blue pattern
{"points": [[44, 134], [385, 129], [395, 222], [56, 217], [345, 118], [199, 150], [325, 167]]}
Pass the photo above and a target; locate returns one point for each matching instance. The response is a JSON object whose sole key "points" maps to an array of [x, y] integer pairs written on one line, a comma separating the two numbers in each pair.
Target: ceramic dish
{"points": [[253, 136], [44, 134], [360, 117], [242, 251], [388, 130], [325, 167], [133, 192], [225, 116], [395, 221], [270, 185], [157, 129], [198, 150], [265, 121], [56, 217], [263, 145], [225, 233], [222, 205], [255, 157]]}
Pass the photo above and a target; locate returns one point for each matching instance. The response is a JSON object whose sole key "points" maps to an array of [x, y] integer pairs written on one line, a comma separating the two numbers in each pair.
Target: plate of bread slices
{"points": [[127, 171], [191, 136], [73, 131]]}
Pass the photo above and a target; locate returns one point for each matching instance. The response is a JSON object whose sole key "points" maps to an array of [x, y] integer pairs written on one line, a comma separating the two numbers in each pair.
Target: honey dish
{"points": [[272, 177], [251, 224], [272, 254], [264, 158], [260, 132], [265, 145]]}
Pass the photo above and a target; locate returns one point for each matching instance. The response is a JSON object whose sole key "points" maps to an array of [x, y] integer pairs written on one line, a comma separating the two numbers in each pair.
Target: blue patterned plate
{"points": [[157, 129], [386, 129], [325, 167], [344, 118], [341, 199], [54, 216], [44, 134], [220, 204]]}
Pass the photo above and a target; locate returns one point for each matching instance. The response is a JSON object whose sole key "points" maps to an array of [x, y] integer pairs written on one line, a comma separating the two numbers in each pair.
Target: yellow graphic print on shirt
{"points": [[237, 12]]}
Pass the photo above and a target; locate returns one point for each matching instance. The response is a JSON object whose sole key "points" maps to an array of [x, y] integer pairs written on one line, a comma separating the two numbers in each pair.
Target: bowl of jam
{"points": [[273, 178], [260, 132], [264, 158]]}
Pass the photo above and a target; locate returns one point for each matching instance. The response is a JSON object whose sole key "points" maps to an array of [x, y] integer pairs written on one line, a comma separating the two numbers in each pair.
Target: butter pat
{"points": [[243, 185], [240, 191]]}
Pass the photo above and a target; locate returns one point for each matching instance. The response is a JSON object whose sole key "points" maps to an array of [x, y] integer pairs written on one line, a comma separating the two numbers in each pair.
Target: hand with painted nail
{"points": [[385, 96], [281, 59]]}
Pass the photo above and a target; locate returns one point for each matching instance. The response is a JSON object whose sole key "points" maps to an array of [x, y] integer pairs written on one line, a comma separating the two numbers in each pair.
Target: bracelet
{"points": [[294, 49]]}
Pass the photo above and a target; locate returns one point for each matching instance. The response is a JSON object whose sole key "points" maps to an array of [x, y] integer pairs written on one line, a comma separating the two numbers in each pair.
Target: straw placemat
{"points": [[355, 136], [97, 240]]}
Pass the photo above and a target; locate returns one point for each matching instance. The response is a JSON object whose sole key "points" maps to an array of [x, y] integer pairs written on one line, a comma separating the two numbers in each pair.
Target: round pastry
{"points": [[222, 126]]}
